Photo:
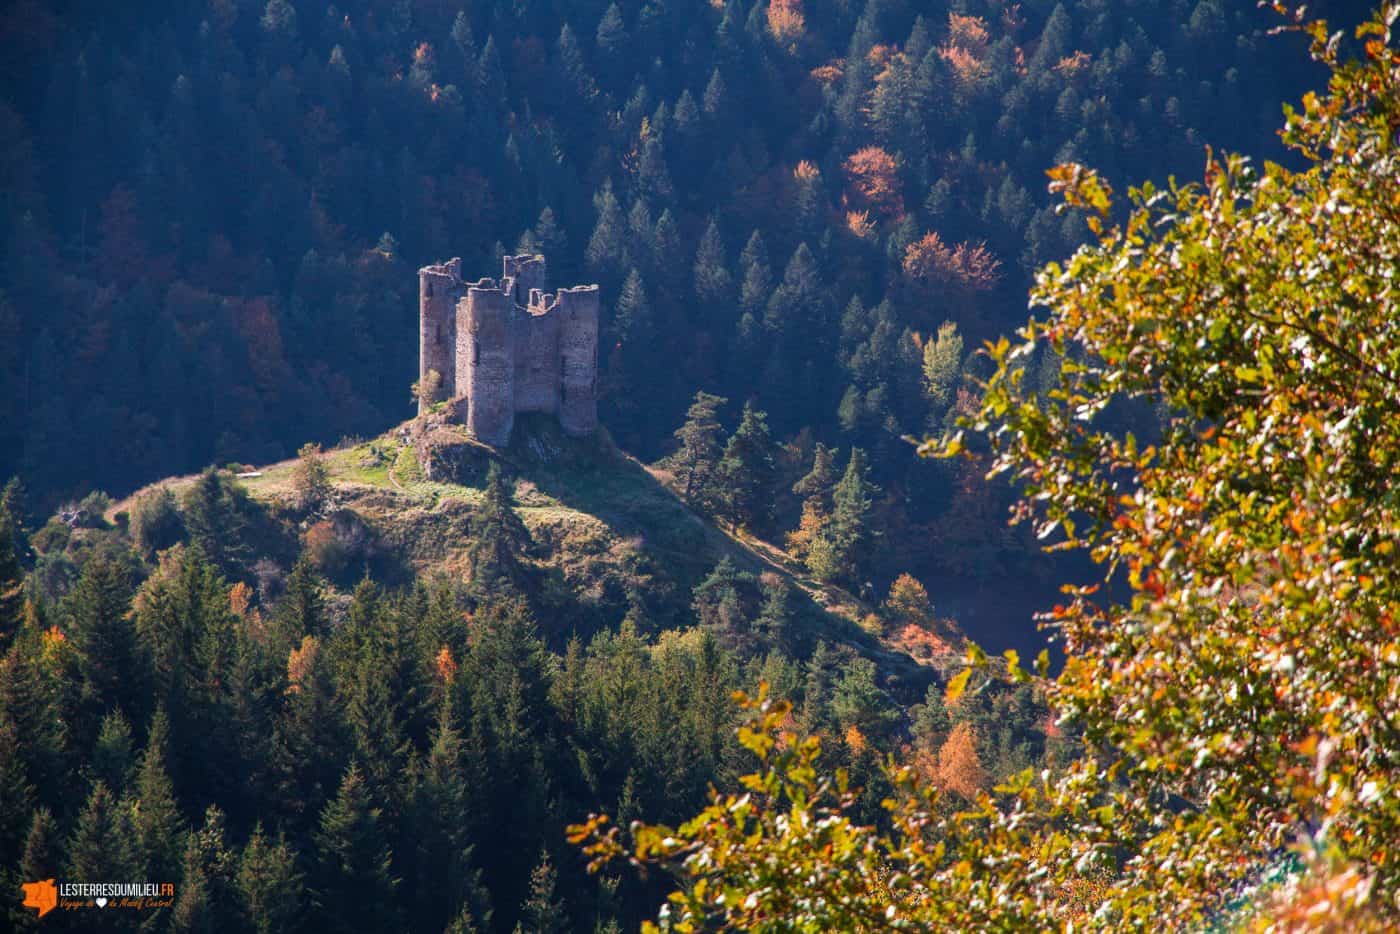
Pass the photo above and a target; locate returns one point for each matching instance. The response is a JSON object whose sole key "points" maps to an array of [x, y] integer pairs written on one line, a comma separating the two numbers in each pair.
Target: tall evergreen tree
{"points": [[757, 275], [159, 828], [714, 285], [694, 462], [39, 860], [102, 631], [607, 244], [747, 471], [499, 539], [269, 885], [354, 886], [842, 551], [543, 912], [207, 898], [100, 845], [11, 575]]}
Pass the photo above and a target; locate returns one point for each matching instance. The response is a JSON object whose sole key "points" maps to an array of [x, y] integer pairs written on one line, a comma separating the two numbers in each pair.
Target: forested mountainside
{"points": [[337, 694], [211, 213]]}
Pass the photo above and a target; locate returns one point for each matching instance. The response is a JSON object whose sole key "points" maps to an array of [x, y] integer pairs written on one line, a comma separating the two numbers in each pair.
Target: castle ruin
{"points": [[492, 349]]}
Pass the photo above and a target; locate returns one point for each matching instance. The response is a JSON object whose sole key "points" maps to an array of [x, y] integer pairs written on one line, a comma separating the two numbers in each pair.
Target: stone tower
{"points": [[504, 347]]}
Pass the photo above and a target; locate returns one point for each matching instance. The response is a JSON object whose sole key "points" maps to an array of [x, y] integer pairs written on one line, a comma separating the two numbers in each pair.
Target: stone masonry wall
{"points": [[508, 346]]}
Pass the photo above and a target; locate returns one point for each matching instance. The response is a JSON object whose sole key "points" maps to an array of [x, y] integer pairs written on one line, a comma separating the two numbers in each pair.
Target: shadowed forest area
{"points": [[263, 637]]}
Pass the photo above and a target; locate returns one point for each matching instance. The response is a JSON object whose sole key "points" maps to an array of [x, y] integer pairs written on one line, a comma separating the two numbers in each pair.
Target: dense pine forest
{"points": [[251, 646], [213, 214]]}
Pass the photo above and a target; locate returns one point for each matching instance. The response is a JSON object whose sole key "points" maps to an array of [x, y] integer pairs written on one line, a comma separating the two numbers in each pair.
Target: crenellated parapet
{"points": [[508, 346]]}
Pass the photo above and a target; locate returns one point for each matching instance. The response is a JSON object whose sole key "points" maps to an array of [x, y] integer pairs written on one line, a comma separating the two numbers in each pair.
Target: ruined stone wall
{"points": [[486, 355], [537, 356], [508, 346], [528, 271], [439, 289], [577, 309]]}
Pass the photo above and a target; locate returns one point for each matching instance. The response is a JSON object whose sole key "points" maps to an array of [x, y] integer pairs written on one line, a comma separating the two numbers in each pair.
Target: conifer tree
{"points": [[552, 241], [499, 538], [159, 828], [269, 884], [606, 245], [775, 619], [308, 749], [17, 793], [300, 611], [106, 641], [717, 601], [354, 887], [206, 896], [11, 577], [445, 879], [694, 462], [39, 860], [111, 756], [716, 99], [100, 846], [543, 912], [714, 286], [841, 551], [758, 275], [216, 516], [747, 471]]}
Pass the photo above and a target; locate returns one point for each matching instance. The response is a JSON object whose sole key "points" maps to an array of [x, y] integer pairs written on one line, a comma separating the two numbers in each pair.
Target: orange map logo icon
{"points": [[42, 895]]}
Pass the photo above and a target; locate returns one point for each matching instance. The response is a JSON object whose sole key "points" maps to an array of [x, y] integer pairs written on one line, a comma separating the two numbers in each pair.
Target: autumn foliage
{"points": [[969, 267], [872, 176]]}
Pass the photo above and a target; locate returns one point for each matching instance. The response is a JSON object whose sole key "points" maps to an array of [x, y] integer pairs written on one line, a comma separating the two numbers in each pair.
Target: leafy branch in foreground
{"points": [[1241, 710]]}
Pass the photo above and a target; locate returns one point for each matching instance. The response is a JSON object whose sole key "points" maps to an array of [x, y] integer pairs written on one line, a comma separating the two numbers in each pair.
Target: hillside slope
{"points": [[606, 534]]}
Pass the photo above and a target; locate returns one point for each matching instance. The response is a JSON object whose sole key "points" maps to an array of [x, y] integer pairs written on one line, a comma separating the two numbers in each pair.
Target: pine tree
{"points": [[17, 793], [818, 482], [269, 884], [100, 846], [633, 320], [11, 575], [308, 748], [695, 461], [573, 68], [216, 516], [499, 538], [611, 41], [106, 641], [301, 610], [841, 552], [653, 173], [444, 879], [157, 823], [758, 275], [775, 619], [553, 242], [39, 860], [959, 765], [606, 246], [718, 603], [714, 286], [111, 756], [354, 885], [543, 912], [206, 896], [716, 99], [747, 471]]}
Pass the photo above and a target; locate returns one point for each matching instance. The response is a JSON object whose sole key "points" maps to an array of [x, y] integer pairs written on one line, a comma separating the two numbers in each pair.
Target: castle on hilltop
{"points": [[492, 349]]}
